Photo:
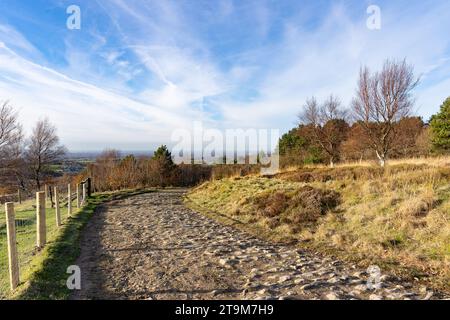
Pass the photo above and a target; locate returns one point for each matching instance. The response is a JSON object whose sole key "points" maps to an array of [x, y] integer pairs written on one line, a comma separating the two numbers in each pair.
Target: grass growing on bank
{"points": [[43, 274], [26, 240], [398, 218]]}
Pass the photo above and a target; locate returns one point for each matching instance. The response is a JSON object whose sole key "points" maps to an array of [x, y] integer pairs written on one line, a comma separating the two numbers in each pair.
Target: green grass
{"points": [[43, 274], [26, 240]]}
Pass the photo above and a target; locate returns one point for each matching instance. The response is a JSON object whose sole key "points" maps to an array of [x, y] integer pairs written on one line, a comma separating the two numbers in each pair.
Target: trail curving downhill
{"points": [[151, 246]]}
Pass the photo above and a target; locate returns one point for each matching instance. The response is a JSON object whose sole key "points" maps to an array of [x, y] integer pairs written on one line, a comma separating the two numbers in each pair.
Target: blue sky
{"points": [[137, 70]]}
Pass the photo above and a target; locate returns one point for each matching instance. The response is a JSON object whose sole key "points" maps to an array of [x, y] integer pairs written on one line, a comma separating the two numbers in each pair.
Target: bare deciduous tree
{"points": [[43, 150], [10, 129], [382, 99], [329, 128], [11, 139]]}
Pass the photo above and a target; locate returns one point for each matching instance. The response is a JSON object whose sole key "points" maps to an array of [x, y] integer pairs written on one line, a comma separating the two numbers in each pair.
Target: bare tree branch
{"points": [[43, 149], [382, 99], [11, 144], [329, 127]]}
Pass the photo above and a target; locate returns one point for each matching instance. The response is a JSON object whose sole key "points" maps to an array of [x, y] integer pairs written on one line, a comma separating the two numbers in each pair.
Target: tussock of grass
{"points": [[398, 217], [300, 207]]}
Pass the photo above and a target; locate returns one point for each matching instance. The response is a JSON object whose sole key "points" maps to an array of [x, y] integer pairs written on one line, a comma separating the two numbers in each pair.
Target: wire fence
{"points": [[26, 225]]}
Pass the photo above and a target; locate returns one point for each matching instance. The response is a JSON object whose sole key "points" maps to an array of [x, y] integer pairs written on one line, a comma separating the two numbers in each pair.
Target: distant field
{"points": [[398, 217]]}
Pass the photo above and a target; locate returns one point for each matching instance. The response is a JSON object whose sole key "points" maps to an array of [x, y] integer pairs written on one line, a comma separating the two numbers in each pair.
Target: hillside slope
{"points": [[398, 218]]}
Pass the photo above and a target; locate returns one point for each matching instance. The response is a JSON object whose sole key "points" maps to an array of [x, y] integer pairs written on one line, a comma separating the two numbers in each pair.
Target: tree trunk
{"points": [[381, 159], [38, 182]]}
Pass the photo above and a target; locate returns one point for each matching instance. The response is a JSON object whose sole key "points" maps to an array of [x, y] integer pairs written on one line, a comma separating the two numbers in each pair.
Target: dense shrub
{"points": [[303, 206], [111, 171], [272, 204], [309, 203]]}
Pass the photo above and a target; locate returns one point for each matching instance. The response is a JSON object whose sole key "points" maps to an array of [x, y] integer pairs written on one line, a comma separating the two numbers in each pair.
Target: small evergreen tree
{"points": [[440, 128], [165, 164]]}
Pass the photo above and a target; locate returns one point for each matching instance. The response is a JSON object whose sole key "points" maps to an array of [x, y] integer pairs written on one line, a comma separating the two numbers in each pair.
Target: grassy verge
{"points": [[26, 240], [43, 274], [398, 218]]}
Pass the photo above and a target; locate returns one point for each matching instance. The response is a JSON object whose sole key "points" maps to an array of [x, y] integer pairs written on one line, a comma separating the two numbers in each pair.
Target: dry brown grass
{"points": [[398, 217], [435, 161]]}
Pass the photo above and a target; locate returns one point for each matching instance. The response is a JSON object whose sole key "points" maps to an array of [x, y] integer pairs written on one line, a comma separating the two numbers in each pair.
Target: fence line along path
{"points": [[41, 221]]}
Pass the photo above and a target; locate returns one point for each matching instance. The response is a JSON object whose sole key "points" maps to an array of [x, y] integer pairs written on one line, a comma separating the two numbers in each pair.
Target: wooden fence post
{"points": [[12, 245], [57, 209], [78, 196], [89, 187], [84, 193], [19, 196], [69, 200], [41, 232], [50, 193]]}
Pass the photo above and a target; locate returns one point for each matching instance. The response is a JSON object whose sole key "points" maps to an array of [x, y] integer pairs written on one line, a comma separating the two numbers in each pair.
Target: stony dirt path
{"points": [[151, 246]]}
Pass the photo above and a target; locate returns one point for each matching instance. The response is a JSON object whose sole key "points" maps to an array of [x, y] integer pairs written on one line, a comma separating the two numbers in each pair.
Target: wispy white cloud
{"points": [[327, 59], [185, 79], [9, 36], [183, 75], [87, 116]]}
